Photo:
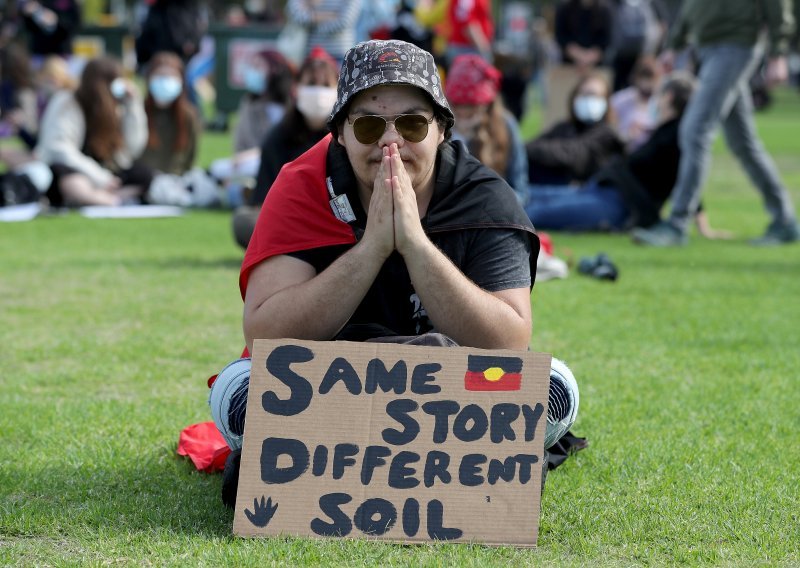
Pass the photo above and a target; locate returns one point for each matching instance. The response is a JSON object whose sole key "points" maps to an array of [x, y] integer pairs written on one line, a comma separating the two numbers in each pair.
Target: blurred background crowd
{"points": [[103, 102]]}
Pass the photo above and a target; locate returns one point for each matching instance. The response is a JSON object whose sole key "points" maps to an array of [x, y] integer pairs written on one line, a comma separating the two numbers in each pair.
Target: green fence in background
{"points": [[233, 47]]}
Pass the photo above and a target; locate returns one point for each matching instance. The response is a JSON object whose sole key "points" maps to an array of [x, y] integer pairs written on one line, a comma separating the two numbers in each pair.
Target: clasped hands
{"points": [[393, 218]]}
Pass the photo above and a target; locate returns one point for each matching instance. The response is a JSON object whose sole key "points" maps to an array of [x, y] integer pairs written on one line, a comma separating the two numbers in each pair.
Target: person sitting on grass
{"points": [[575, 149], [303, 125], [269, 79], [92, 139], [482, 122], [632, 105], [630, 191], [173, 125], [427, 245]]}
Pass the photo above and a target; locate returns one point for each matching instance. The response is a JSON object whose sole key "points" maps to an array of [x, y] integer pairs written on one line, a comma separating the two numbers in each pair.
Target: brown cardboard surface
{"points": [[306, 501]]}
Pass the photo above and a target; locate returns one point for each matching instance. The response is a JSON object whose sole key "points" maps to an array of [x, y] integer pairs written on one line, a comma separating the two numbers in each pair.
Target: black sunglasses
{"points": [[369, 128]]}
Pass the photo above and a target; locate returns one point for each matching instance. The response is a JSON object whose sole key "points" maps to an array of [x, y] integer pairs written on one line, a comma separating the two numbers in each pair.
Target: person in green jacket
{"points": [[726, 36]]}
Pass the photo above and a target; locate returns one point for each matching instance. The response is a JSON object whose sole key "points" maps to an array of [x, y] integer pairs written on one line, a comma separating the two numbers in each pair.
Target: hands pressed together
{"points": [[393, 218]]}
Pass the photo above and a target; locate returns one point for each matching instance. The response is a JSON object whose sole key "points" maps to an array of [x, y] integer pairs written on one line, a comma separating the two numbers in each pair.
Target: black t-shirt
{"points": [[493, 258]]}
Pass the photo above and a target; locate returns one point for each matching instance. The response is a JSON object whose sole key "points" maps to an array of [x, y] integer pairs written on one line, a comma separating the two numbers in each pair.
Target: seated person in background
{"points": [[490, 132], [630, 191], [423, 243], [19, 116], [304, 124], [91, 139], [632, 106], [268, 79], [172, 122], [52, 77], [575, 149]]}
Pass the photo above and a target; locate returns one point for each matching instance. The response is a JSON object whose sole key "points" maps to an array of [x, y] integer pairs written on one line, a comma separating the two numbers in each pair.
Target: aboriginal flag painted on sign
{"points": [[486, 373]]}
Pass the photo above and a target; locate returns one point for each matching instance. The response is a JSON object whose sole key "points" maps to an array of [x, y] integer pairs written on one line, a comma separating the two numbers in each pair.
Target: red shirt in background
{"points": [[464, 12]]}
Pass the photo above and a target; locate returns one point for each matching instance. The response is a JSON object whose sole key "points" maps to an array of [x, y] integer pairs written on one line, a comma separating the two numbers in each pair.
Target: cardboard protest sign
{"points": [[396, 442]]}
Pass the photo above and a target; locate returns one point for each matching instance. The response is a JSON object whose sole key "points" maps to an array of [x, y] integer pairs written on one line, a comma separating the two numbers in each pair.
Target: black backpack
{"points": [[17, 189]]}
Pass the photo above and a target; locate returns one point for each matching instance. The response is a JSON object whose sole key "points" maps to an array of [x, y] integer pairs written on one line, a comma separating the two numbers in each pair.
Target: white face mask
{"points": [[165, 88], [118, 88], [315, 103], [589, 108]]}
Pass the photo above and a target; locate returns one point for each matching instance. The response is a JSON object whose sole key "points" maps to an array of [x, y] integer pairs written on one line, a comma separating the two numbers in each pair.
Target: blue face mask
{"points": [[255, 81], [165, 88]]}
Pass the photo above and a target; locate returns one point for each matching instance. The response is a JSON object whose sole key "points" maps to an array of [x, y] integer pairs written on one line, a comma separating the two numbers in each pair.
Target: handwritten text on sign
{"points": [[395, 442]]}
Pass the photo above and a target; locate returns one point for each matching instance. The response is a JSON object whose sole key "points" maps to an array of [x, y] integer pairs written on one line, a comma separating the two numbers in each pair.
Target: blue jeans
{"points": [[723, 97], [590, 207]]}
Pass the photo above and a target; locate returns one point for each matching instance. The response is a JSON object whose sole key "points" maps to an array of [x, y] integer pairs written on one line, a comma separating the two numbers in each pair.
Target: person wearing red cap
{"points": [[489, 131]]}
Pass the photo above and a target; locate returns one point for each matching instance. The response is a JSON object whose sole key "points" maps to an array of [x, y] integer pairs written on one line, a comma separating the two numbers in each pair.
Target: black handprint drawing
{"points": [[263, 512]]}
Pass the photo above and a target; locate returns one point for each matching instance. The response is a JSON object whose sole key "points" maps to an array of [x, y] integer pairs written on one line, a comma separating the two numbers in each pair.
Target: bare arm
{"points": [[479, 39], [456, 306], [461, 310], [286, 297]]}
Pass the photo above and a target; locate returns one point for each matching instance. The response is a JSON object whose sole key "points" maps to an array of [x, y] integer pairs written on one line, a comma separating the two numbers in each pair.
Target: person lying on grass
{"points": [[385, 231]]}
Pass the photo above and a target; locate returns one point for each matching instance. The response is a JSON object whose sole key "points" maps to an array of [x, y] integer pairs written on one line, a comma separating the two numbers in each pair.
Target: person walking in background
{"points": [[171, 119], [304, 124], [490, 132], [583, 31], [726, 36], [91, 139], [331, 24]]}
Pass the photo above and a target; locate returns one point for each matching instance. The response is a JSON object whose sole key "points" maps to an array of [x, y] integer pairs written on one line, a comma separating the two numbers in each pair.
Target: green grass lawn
{"points": [[688, 367]]}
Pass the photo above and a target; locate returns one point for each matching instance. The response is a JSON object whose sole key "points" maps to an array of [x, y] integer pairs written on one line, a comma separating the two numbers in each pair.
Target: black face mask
{"points": [[645, 93]]}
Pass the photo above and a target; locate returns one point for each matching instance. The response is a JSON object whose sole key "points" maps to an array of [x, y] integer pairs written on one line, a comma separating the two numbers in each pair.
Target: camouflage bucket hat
{"points": [[389, 62]]}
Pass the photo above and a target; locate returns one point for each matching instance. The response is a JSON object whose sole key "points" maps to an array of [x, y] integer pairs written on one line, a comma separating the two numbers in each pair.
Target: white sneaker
{"points": [[229, 380], [562, 402]]}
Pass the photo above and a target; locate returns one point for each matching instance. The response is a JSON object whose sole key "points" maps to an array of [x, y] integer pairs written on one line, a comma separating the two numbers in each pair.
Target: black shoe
{"points": [[778, 234], [230, 478], [599, 267]]}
